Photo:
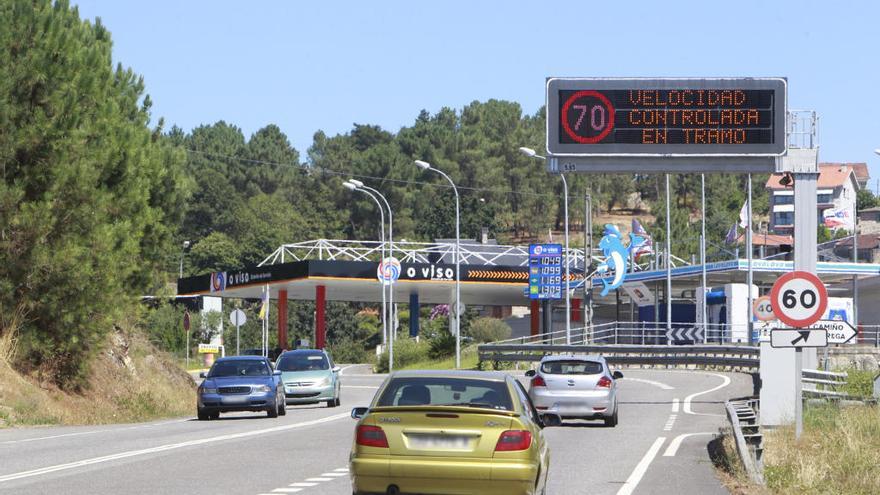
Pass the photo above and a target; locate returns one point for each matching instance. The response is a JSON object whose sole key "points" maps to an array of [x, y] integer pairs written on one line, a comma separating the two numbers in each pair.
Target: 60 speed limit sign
{"points": [[799, 299]]}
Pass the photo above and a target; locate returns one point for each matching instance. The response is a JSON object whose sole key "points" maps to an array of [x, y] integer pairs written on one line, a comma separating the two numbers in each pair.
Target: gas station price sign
{"points": [[720, 117], [545, 271]]}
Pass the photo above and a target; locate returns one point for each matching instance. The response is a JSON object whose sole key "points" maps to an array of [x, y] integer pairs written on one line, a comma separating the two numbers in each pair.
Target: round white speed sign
{"points": [[764, 309], [799, 299]]}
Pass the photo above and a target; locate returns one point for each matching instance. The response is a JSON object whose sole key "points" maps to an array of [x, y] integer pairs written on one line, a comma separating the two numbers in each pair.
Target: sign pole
{"points": [[749, 323], [668, 260], [798, 393], [703, 311]]}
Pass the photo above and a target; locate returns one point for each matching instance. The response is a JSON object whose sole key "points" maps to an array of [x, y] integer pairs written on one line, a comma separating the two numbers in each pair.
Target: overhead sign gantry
{"points": [[665, 125]]}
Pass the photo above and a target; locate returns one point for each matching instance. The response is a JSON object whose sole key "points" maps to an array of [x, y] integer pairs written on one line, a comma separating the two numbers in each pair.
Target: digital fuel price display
{"points": [[666, 116], [545, 271]]}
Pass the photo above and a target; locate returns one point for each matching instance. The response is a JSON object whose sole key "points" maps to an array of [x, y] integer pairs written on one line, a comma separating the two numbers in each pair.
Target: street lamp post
{"points": [[531, 153], [182, 252], [354, 187], [457, 310], [391, 331]]}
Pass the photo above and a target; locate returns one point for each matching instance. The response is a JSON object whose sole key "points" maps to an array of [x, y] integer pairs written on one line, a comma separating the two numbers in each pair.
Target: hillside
{"points": [[129, 381]]}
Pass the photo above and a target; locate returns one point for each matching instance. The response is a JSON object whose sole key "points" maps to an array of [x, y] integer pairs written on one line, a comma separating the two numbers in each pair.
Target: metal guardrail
{"points": [[743, 416], [710, 356], [650, 333], [830, 383]]}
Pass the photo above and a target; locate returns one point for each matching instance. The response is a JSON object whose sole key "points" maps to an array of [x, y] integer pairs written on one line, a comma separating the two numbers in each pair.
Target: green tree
{"points": [[865, 199], [88, 192]]}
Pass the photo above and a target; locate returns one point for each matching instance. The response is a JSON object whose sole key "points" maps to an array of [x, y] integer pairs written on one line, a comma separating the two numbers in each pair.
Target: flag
{"points": [[646, 246], [744, 215], [837, 218], [731, 235], [264, 308]]}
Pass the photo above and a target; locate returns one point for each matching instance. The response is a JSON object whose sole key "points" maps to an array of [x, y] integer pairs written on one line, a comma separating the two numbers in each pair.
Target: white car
{"points": [[575, 387]]}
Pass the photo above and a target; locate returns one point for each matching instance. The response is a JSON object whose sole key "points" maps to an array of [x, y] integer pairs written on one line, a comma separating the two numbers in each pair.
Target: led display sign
{"points": [[545, 271], [721, 117]]}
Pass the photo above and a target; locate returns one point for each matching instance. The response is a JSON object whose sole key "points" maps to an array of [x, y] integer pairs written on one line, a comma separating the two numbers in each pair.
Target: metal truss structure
{"points": [[410, 252]]}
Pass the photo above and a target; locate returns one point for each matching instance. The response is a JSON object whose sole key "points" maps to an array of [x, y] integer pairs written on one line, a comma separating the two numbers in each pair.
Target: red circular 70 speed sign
{"points": [[799, 299]]}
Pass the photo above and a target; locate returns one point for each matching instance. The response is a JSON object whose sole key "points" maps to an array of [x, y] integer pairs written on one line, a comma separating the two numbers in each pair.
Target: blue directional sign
{"points": [[545, 271]]}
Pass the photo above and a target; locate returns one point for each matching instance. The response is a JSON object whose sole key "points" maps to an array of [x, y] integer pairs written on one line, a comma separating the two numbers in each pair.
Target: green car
{"points": [[309, 377]]}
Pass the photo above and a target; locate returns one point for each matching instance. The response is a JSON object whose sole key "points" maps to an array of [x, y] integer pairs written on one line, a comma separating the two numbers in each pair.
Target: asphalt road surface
{"points": [[667, 419]]}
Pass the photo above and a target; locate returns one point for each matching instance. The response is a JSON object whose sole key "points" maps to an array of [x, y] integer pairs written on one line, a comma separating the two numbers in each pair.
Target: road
{"points": [[667, 419]]}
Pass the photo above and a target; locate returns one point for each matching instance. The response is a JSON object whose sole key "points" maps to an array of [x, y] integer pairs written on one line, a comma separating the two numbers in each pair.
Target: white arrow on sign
{"points": [[839, 331], [807, 337], [693, 334]]}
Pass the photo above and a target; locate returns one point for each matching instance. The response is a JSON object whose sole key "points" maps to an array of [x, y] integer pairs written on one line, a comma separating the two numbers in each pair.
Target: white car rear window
{"points": [[572, 367]]}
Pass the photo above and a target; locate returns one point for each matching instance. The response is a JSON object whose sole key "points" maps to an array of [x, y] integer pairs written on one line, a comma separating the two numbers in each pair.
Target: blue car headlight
{"points": [[262, 388], [207, 390]]}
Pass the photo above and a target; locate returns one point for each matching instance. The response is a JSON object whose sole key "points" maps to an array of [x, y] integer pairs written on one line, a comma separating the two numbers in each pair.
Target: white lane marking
{"points": [[341, 470], [286, 490], [91, 432], [52, 437], [689, 398], [676, 442], [334, 474], [641, 468], [301, 484], [163, 448], [319, 479], [675, 405], [670, 422], [342, 371], [650, 382]]}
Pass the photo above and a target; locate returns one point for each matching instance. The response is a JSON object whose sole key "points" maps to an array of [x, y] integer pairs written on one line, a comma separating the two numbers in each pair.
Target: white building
{"points": [[835, 198]]}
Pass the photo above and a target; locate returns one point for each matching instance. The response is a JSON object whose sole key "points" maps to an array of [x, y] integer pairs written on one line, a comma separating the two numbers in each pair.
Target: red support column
{"points": [[536, 316], [282, 320], [575, 309], [320, 327]]}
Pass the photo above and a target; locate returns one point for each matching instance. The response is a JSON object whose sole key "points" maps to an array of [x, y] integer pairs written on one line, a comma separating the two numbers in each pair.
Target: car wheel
{"points": [[215, 415], [282, 408], [203, 415], [612, 421], [331, 403], [272, 411]]}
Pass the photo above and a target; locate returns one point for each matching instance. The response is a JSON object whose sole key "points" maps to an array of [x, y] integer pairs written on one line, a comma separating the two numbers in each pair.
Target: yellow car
{"points": [[450, 432]]}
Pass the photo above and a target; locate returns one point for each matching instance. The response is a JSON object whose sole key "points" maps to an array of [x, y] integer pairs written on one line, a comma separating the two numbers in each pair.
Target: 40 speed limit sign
{"points": [[799, 299]]}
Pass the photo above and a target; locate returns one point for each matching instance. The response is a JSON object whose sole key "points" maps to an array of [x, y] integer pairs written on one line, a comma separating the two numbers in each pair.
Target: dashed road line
{"points": [[670, 422], [336, 474], [675, 405]]}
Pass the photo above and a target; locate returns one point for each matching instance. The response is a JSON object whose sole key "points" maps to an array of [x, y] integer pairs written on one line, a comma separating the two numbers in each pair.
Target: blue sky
{"points": [[310, 65]]}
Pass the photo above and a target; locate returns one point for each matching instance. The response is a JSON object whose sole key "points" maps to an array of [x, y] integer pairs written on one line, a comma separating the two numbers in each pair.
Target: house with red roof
{"points": [[835, 198]]}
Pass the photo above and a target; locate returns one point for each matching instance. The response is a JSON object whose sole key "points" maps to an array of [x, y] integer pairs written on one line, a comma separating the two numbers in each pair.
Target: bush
{"points": [[349, 351], [441, 346], [406, 351], [488, 330]]}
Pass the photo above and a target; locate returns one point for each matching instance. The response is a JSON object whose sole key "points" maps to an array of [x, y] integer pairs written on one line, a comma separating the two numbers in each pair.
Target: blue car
{"points": [[241, 383]]}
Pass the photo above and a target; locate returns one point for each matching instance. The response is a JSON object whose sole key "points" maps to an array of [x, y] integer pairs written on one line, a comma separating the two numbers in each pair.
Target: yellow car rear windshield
{"points": [[438, 391]]}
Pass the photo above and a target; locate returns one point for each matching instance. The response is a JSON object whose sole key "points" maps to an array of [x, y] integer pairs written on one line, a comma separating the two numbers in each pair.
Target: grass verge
{"points": [[839, 452], [468, 361]]}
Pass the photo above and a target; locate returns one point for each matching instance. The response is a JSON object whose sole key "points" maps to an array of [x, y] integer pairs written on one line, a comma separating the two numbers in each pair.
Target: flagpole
{"points": [[703, 254], [750, 339]]}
